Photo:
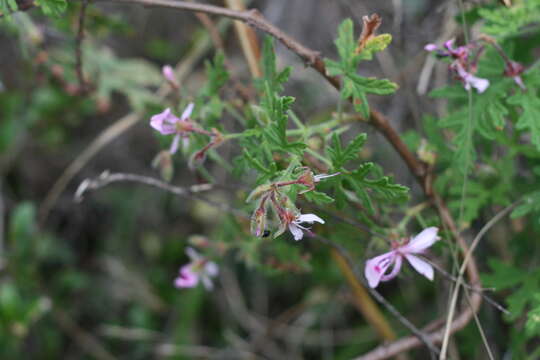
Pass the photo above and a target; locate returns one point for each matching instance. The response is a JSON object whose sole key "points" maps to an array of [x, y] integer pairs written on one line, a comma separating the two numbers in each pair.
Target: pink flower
{"points": [[461, 65], [168, 74], [167, 123], [199, 269], [376, 269], [514, 70], [469, 79], [297, 230]]}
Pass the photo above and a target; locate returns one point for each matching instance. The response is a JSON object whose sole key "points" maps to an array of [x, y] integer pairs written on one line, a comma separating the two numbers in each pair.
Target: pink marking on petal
{"points": [[187, 277]]}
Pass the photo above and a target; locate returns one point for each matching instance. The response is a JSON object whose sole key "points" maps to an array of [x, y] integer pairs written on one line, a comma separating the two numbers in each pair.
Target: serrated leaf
{"points": [[340, 156], [318, 198], [53, 8], [529, 119], [375, 44], [373, 85], [217, 75]]}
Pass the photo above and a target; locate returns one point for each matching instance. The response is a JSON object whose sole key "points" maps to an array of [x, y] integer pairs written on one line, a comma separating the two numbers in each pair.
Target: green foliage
{"points": [[217, 75], [529, 102], [525, 285], [6, 7], [532, 326], [340, 156], [531, 204], [355, 86], [502, 21], [53, 8]]}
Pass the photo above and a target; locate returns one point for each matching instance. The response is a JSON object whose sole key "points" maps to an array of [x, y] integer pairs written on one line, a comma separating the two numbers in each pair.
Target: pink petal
{"points": [[449, 45], [193, 254], [211, 268], [431, 47], [309, 218], [421, 266], [174, 144], [421, 241], [519, 81], [478, 83], [187, 278], [376, 267], [187, 112], [164, 122], [296, 231], [168, 73], [395, 270], [207, 282]]}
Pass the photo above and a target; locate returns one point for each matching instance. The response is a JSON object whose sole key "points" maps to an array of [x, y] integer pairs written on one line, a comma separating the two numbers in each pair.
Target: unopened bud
{"points": [[163, 162]]}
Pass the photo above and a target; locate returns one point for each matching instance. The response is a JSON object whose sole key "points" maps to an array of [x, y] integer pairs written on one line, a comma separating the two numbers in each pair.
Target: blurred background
{"points": [[94, 279]]}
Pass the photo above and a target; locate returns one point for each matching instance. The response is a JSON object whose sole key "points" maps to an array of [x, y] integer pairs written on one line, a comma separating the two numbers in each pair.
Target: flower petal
{"points": [[207, 282], [309, 218], [164, 122], [376, 267], [395, 270], [174, 145], [168, 73], [296, 231], [193, 254], [421, 241], [187, 278], [431, 47], [187, 112], [320, 177], [211, 268], [420, 265]]}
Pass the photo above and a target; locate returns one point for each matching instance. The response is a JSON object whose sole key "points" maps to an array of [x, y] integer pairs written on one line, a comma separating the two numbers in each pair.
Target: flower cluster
{"points": [[464, 68], [377, 268], [289, 217], [461, 65]]}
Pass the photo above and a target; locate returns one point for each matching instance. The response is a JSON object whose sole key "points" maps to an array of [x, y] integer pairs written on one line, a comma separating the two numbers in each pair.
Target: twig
{"points": [[83, 88], [466, 260], [248, 40], [107, 178], [470, 287]]}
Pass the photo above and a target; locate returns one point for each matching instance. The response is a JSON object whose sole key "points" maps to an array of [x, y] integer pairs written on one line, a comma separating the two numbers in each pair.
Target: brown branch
{"points": [[78, 49]]}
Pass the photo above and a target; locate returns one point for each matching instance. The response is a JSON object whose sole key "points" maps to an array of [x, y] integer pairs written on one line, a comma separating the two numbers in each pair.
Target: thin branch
{"points": [[83, 88]]}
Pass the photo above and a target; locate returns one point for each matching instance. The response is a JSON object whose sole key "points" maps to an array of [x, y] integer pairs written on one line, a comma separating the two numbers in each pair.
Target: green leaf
{"points": [[506, 276], [318, 198], [217, 75], [375, 44], [53, 8], [530, 117], [382, 188], [340, 156], [354, 85], [7, 7], [530, 204], [532, 326]]}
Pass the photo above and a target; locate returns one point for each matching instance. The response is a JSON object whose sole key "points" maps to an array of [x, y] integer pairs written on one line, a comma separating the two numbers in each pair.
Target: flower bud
{"points": [[163, 162]]}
